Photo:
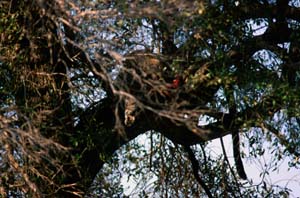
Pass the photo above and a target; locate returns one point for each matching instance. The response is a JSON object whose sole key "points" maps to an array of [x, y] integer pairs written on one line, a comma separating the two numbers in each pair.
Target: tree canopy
{"points": [[81, 79]]}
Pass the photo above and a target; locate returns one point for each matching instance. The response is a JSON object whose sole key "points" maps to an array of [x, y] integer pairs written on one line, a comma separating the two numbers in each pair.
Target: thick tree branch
{"points": [[255, 10], [97, 123]]}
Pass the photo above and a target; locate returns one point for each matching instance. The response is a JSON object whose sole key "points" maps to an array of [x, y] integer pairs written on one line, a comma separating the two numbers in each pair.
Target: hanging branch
{"points": [[196, 167]]}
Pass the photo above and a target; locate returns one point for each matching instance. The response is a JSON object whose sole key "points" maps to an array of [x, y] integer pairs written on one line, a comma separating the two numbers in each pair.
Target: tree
{"points": [[80, 79]]}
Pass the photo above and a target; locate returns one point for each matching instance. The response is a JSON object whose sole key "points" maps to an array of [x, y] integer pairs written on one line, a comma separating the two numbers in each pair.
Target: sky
{"points": [[283, 176]]}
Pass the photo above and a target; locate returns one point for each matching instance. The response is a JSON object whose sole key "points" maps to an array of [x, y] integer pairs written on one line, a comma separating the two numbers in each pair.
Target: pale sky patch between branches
{"points": [[283, 176], [254, 167]]}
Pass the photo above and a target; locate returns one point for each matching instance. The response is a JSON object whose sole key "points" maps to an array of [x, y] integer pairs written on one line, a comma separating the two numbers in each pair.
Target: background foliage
{"points": [[81, 79]]}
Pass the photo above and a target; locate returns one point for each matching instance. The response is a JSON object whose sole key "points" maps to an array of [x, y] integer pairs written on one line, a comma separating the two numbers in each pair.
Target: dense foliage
{"points": [[80, 80]]}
